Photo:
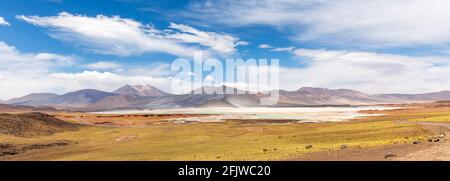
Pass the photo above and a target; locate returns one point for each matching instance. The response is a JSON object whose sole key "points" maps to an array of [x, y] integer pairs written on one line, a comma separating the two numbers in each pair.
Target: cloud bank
{"points": [[368, 71], [114, 35], [24, 73], [377, 23], [364, 71]]}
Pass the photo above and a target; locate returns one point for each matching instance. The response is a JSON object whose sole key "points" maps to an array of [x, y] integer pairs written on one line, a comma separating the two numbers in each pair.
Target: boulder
{"points": [[389, 155]]}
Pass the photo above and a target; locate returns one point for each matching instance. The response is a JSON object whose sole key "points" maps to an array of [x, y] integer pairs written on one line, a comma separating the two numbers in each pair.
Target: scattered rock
{"points": [[39, 146], [434, 139], [14, 149], [308, 146], [11, 152], [389, 155], [6, 145], [442, 135], [264, 150], [279, 137], [343, 147], [416, 142], [104, 123]]}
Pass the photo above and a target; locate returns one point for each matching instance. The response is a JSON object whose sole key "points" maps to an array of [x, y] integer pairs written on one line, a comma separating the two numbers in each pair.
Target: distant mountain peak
{"points": [[140, 90], [223, 89]]}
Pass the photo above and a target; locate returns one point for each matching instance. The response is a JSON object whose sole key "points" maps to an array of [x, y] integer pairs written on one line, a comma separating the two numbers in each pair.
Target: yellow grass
{"points": [[216, 141], [434, 118]]}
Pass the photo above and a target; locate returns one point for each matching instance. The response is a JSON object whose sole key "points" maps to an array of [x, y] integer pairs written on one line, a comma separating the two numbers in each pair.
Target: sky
{"points": [[373, 46]]}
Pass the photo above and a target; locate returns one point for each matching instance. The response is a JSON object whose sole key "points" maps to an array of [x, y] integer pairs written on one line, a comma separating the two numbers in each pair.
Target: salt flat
{"points": [[301, 114]]}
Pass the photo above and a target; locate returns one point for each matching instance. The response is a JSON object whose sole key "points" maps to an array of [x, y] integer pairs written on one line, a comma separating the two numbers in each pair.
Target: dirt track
{"points": [[426, 150], [440, 151]]}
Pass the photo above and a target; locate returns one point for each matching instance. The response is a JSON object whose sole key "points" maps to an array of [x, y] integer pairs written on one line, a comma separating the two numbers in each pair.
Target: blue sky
{"points": [[375, 46]]}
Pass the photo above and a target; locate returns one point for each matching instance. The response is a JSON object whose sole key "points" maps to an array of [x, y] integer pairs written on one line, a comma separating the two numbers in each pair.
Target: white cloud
{"points": [[219, 42], [106, 81], [243, 43], [22, 73], [55, 1], [264, 46], [12, 58], [368, 72], [276, 49], [283, 49], [158, 69], [190, 73], [103, 65], [209, 78], [124, 37], [3, 22], [25, 73], [377, 23]]}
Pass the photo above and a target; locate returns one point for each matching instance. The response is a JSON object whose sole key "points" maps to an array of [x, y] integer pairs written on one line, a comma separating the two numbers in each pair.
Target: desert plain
{"points": [[383, 132]]}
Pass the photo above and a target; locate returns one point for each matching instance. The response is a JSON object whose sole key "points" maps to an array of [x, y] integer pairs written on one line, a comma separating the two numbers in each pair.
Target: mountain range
{"points": [[149, 97]]}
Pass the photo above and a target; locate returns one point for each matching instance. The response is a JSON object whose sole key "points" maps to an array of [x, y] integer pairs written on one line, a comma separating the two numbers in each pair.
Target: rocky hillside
{"points": [[33, 124]]}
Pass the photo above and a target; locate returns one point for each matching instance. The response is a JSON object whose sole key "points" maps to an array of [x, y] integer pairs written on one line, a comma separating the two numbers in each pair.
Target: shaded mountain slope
{"points": [[32, 99]]}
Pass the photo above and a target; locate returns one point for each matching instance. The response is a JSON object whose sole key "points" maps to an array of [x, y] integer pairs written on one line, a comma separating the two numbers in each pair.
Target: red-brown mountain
{"points": [[148, 97]]}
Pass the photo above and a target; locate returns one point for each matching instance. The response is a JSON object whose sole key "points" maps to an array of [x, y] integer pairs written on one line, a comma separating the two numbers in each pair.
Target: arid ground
{"points": [[406, 132]]}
